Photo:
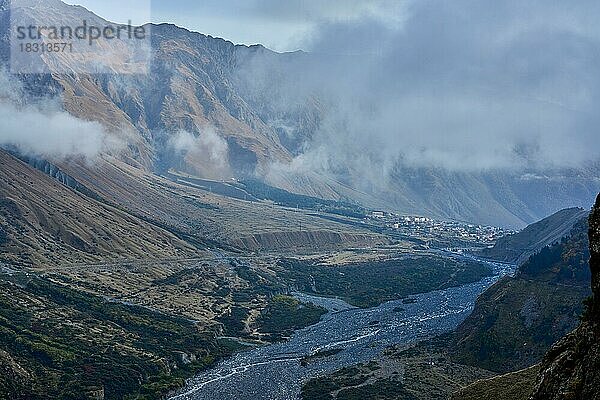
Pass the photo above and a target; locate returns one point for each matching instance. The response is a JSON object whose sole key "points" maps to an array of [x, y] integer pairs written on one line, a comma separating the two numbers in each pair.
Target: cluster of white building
{"points": [[419, 226]]}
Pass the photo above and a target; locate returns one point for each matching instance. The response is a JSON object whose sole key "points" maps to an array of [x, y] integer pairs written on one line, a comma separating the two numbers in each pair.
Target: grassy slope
{"points": [[61, 343], [517, 320], [515, 323], [518, 247], [512, 386]]}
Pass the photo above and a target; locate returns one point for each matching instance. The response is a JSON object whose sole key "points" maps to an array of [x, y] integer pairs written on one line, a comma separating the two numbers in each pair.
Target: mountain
{"points": [[201, 111], [187, 89], [499, 198], [44, 222], [519, 318], [519, 247], [571, 369], [185, 115], [495, 352], [512, 198]]}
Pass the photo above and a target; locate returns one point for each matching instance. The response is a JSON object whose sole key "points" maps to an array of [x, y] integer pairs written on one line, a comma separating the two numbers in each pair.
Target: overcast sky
{"points": [[283, 25], [456, 83]]}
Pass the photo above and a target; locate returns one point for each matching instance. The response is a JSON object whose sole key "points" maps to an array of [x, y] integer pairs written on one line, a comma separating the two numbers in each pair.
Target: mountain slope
{"points": [[519, 247], [571, 369], [44, 222], [199, 85], [517, 320]]}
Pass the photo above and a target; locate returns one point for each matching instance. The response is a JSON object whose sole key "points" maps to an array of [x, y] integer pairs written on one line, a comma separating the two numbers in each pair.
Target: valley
{"points": [[226, 268], [344, 336], [225, 272], [393, 206], [496, 350], [230, 301]]}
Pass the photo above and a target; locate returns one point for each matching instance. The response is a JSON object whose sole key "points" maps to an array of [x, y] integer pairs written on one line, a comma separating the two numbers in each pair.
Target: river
{"points": [[274, 372]]}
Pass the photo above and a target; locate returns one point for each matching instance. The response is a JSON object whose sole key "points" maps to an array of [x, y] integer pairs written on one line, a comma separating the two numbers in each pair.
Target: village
{"points": [[421, 227]]}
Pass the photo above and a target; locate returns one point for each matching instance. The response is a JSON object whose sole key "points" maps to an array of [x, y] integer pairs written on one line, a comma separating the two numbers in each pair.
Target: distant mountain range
{"points": [[197, 112]]}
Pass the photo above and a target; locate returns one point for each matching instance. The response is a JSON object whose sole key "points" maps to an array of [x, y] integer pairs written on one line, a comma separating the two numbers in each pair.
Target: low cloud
{"points": [[205, 152], [52, 134], [462, 85], [43, 129]]}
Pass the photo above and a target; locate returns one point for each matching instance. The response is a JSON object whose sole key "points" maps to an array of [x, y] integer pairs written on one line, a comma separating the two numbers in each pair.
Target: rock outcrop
{"points": [[571, 369]]}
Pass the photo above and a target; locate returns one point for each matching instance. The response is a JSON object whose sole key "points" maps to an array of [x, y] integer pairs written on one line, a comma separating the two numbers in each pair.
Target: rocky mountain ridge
{"points": [[198, 112]]}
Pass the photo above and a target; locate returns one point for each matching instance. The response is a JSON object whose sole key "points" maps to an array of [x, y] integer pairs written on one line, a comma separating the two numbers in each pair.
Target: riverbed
{"points": [[275, 372]]}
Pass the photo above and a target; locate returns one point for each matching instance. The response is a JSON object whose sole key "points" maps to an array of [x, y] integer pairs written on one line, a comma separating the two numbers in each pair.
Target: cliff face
{"points": [[571, 369], [595, 257]]}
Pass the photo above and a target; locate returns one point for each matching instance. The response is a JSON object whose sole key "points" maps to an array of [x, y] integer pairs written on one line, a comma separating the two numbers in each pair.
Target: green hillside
{"points": [[517, 320]]}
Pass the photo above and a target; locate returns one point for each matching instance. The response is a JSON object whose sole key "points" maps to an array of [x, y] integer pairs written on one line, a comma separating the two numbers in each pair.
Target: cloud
{"points": [[462, 85], [43, 129], [207, 152], [280, 25], [52, 134]]}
